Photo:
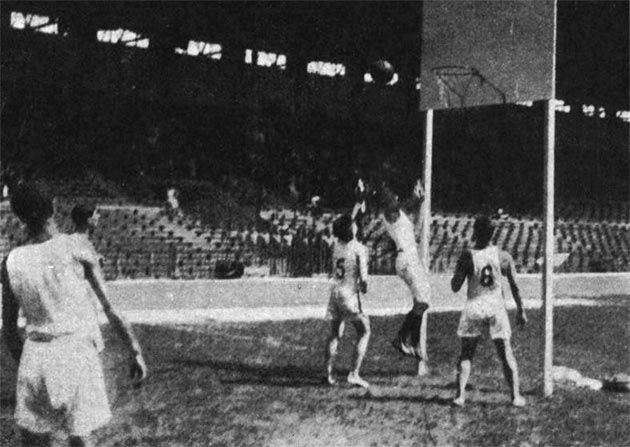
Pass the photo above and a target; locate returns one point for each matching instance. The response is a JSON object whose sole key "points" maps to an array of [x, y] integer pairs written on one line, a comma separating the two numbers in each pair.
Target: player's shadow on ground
{"points": [[439, 400], [238, 373], [469, 387], [483, 389]]}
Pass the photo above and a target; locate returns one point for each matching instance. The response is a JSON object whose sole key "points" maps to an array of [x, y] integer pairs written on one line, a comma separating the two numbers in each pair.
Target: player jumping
{"points": [[349, 271], [411, 338], [485, 307]]}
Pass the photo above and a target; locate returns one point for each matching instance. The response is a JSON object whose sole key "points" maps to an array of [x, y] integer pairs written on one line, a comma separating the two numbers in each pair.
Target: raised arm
{"points": [[463, 268], [360, 206], [122, 326], [10, 312], [358, 210], [509, 271]]}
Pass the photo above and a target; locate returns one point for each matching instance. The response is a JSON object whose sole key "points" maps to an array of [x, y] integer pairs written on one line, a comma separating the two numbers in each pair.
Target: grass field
{"points": [[259, 384]]}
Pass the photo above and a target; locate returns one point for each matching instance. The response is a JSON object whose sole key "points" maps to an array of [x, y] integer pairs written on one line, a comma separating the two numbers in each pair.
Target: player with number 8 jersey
{"points": [[485, 304], [484, 266]]}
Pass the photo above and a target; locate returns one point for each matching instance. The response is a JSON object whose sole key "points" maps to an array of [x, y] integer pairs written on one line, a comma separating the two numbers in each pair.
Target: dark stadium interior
{"points": [[121, 125]]}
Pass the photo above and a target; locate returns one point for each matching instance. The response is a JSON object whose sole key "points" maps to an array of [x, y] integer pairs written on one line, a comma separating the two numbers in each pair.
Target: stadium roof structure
{"points": [[355, 30], [592, 35]]}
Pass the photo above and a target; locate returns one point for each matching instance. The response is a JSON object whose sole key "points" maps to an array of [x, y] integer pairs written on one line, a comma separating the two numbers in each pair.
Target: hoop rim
{"points": [[454, 70]]}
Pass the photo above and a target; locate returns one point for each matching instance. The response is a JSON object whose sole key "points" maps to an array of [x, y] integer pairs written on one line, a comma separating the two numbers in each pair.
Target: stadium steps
{"points": [[141, 241]]}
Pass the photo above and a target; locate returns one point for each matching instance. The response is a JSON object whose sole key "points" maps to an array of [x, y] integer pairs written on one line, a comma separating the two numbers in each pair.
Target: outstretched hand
{"points": [[360, 185], [138, 369], [418, 189], [360, 191], [521, 318]]}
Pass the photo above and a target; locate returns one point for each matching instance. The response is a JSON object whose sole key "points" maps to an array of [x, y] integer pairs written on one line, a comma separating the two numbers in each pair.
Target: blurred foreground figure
{"points": [[60, 385]]}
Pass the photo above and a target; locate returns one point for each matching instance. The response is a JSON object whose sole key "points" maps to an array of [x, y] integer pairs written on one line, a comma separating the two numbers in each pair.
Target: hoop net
{"points": [[453, 83]]}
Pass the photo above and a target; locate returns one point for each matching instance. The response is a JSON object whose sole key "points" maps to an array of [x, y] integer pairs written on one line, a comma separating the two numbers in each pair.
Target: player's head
{"points": [[84, 216], [342, 228], [388, 203], [483, 230], [32, 204]]}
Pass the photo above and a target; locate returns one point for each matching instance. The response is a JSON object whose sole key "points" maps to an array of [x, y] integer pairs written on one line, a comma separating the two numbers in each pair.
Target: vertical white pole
{"points": [[428, 170], [426, 224], [549, 191], [550, 121]]}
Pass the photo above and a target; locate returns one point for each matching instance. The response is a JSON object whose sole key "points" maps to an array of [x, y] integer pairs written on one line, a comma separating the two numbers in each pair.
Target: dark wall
{"points": [[593, 53], [494, 157]]}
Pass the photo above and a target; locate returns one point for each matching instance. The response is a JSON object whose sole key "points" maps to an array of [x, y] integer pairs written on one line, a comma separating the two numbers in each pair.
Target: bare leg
{"points": [[401, 343], [362, 325], [510, 370], [469, 345], [414, 329], [332, 344], [422, 362]]}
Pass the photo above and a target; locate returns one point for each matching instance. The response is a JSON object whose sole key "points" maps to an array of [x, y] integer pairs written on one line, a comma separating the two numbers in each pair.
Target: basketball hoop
{"points": [[456, 84], [453, 83]]}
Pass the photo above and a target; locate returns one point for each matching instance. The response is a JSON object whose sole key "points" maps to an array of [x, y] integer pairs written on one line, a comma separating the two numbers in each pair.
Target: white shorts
{"points": [[61, 386], [485, 314], [343, 304], [414, 274]]}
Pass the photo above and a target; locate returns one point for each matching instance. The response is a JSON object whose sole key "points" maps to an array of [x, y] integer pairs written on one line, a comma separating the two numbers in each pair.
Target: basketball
{"points": [[381, 71]]}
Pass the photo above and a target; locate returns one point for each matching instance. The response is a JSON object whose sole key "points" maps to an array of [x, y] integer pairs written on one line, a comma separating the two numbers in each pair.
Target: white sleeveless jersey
{"points": [[402, 233], [349, 265], [486, 278], [49, 283]]}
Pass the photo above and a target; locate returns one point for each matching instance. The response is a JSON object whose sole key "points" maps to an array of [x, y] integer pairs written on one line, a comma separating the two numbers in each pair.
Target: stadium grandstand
{"points": [[115, 103]]}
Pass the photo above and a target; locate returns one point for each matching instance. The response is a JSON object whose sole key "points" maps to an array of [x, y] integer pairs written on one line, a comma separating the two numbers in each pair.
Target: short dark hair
{"points": [[483, 230], [81, 213], [342, 228], [388, 199], [32, 203]]}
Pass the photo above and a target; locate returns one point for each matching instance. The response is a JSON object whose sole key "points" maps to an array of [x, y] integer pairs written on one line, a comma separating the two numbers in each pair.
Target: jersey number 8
{"points": [[340, 270], [487, 278]]}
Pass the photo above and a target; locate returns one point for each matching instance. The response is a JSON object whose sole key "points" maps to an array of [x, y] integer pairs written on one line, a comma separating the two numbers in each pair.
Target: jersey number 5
{"points": [[340, 270], [487, 278]]}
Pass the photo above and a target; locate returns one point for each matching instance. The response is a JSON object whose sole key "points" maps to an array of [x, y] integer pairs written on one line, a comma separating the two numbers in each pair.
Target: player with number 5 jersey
{"points": [[350, 266], [349, 273]]}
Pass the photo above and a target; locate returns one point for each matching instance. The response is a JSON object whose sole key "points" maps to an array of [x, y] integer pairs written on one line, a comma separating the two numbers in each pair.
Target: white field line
{"points": [[324, 278], [283, 313]]}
